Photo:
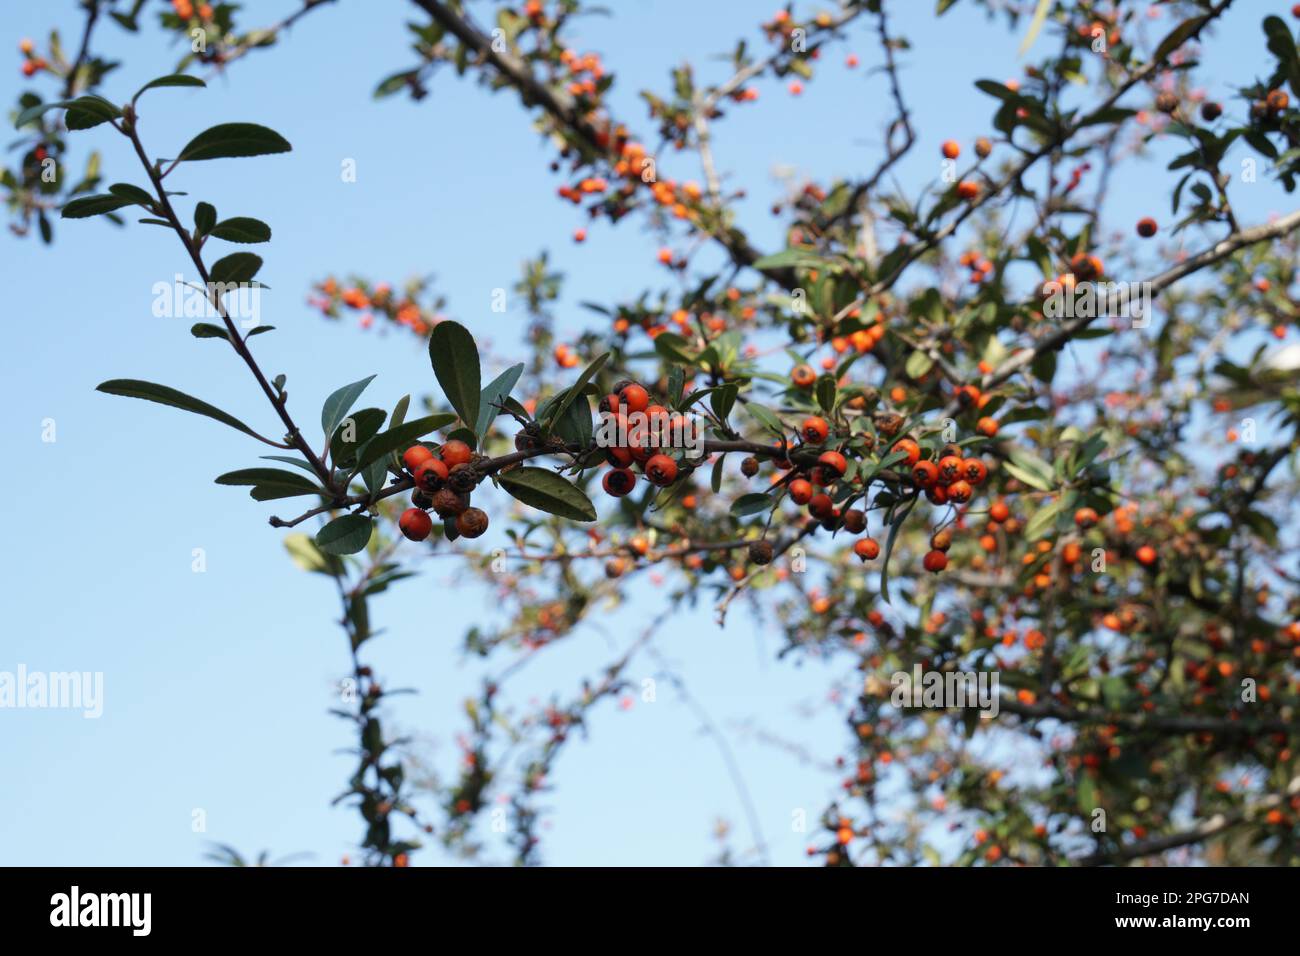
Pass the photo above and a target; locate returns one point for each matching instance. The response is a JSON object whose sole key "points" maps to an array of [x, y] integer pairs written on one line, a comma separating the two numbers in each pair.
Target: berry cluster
{"points": [[650, 424], [443, 482]]}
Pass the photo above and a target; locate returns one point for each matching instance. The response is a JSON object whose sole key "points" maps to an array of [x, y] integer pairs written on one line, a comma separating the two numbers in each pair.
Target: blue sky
{"points": [[217, 683]]}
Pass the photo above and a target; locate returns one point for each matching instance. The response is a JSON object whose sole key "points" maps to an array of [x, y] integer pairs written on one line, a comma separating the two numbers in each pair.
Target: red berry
{"points": [[925, 473], [455, 452], [911, 448], [821, 506], [618, 482], [1146, 227], [974, 471], [415, 524], [801, 491], [634, 398], [833, 461], [431, 473], [814, 430], [1147, 555], [867, 549], [935, 561], [661, 470], [415, 456]]}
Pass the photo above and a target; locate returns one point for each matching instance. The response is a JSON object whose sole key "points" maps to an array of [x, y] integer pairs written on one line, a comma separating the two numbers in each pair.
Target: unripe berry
{"points": [[472, 522], [941, 540], [983, 148], [415, 524]]}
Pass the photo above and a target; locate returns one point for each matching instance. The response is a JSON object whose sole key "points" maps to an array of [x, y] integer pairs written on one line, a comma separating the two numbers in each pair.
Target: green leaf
{"points": [[133, 193], [207, 330], [205, 217], [346, 535], [766, 418], [1043, 520], [1177, 37], [88, 206], [558, 409], [918, 363], [755, 502], [493, 395], [241, 229], [340, 403], [401, 437], [271, 483], [889, 548], [236, 267], [456, 366], [826, 390], [229, 140], [549, 492], [304, 553], [174, 79], [365, 425], [131, 388]]}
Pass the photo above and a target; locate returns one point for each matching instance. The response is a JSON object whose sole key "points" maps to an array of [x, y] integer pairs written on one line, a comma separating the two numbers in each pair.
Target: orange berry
{"points": [[935, 561], [866, 548], [1147, 555], [950, 149], [415, 456], [415, 524]]}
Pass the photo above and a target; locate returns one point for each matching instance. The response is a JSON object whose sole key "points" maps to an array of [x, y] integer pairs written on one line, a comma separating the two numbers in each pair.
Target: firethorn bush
{"points": [[925, 434]]}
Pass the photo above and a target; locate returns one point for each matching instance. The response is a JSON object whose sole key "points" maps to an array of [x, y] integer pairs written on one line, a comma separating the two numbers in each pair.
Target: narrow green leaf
{"points": [[401, 437], [573, 391], [493, 395], [132, 388], [549, 492], [340, 403], [755, 502], [174, 79], [88, 206]]}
